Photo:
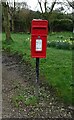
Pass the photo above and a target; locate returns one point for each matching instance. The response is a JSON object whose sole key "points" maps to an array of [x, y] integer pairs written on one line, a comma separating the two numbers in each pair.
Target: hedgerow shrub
{"points": [[62, 25], [53, 44], [61, 45]]}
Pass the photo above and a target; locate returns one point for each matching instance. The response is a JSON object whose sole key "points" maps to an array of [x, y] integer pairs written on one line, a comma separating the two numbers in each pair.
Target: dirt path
{"points": [[18, 80]]}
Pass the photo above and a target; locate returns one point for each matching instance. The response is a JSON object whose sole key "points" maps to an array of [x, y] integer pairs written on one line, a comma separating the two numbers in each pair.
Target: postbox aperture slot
{"points": [[37, 30]]}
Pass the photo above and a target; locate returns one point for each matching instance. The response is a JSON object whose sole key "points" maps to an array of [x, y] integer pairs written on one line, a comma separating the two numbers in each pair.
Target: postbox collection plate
{"points": [[38, 45], [39, 31]]}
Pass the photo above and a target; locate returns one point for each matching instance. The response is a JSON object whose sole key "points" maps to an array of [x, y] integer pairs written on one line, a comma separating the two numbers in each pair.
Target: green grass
{"points": [[56, 36], [26, 101], [56, 68], [31, 101]]}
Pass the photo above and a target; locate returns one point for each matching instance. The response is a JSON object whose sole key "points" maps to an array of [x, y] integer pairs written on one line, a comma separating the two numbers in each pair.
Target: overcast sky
{"points": [[33, 4]]}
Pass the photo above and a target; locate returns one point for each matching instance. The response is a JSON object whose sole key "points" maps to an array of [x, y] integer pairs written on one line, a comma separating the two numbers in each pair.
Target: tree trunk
{"points": [[6, 22], [12, 24], [73, 21], [13, 17]]}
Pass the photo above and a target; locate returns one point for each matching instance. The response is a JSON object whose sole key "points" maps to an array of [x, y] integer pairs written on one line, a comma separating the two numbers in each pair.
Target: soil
{"points": [[18, 78]]}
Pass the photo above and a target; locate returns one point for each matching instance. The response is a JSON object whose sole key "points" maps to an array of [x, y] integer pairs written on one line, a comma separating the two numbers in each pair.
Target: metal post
{"points": [[37, 76], [37, 70]]}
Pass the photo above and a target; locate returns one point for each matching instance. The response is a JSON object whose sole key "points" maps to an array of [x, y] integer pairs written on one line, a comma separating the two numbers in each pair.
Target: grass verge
{"points": [[56, 68]]}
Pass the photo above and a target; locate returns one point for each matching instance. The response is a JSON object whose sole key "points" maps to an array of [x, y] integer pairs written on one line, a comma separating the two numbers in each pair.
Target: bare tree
{"points": [[47, 11], [13, 16], [5, 8], [11, 12], [71, 4], [45, 6], [40, 5], [15, 6], [0, 17]]}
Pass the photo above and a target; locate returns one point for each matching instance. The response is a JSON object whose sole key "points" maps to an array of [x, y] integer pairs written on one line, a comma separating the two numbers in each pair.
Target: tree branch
{"points": [[45, 3], [40, 6], [52, 6], [71, 4]]}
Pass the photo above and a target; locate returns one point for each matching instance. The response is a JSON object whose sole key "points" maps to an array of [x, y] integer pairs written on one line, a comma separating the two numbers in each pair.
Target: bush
{"points": [[60, 45], [63, 45], [62, 25], [53, 44]]}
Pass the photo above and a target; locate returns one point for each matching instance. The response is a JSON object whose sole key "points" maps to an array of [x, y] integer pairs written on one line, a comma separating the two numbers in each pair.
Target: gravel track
{"points": [[18, 78]]}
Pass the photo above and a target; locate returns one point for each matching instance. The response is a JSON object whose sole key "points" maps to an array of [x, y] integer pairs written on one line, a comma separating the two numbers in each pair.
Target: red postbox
{"points": [[39, 30]]}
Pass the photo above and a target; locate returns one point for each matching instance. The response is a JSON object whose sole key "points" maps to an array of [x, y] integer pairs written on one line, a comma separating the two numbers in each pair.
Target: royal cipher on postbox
{"points": [[39, 31]]}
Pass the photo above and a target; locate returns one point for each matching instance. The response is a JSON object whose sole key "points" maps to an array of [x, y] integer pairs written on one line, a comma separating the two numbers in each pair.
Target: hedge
{"points": [[62, 25]]}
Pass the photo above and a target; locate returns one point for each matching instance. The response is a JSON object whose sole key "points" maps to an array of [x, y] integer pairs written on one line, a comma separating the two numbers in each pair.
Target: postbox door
{"points": [[38, 46]]}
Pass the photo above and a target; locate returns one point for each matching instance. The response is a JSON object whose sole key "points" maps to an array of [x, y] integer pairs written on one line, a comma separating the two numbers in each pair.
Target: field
{"points": [[56, 68]]}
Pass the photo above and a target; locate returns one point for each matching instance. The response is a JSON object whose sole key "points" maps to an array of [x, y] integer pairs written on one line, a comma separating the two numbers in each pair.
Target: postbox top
{"points": [[39, 22]]}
